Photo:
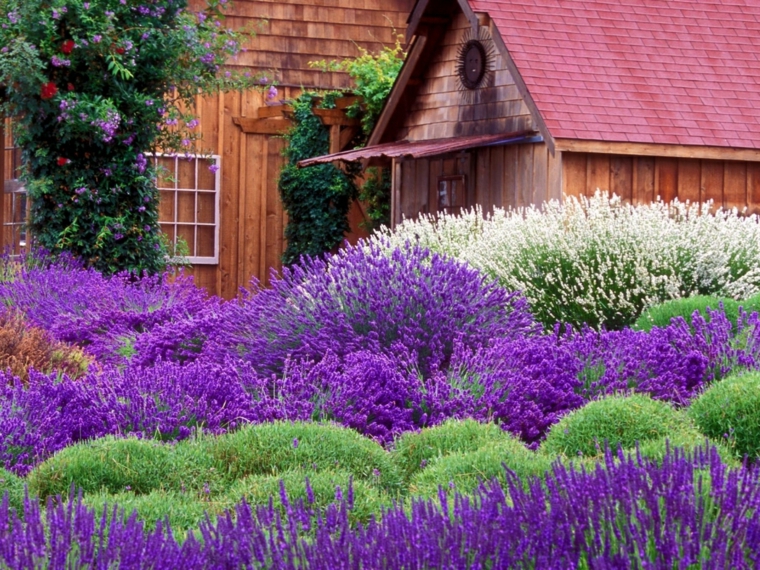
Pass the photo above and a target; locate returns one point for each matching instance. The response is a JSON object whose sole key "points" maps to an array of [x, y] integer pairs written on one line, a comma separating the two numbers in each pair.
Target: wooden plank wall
{"points": [[291, 33], [500, 176], [252, 219], [442, 109], [729, 184]]}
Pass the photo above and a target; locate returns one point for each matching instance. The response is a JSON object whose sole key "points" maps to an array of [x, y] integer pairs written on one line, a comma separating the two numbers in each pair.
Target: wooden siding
{"points": [[640, 179], [500, 176], [291, 33], [442, 109]]}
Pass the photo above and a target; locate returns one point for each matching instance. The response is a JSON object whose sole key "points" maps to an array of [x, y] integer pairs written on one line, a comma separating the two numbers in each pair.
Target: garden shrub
{"points": [[184, 512], [115, 465], [99, 313], [94, 86], [317, 490], [614, 421], [316, 198], [463, 472], [274, 448], [23, 347], [414, 450], [629, 513], [598, 261], [729, 411], [525, 384], [688, 441], [13, 486], [368, 298], [660, 315]]}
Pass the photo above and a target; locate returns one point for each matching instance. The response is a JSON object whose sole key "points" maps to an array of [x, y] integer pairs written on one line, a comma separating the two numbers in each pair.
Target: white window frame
{"points": [[176, 189]]}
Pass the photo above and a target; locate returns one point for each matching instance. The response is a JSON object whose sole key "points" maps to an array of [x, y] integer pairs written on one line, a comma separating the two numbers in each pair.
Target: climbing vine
{"points": [[316, 198], [94, 87], [373, 76]]}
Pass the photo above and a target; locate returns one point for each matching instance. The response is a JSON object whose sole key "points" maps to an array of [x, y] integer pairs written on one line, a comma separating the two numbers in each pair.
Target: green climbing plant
{"points": [[373, 76], [316, 198]]}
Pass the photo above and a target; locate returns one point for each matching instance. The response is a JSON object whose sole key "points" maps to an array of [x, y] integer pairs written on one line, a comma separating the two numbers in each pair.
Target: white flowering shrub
{"points": [[600, 261]]}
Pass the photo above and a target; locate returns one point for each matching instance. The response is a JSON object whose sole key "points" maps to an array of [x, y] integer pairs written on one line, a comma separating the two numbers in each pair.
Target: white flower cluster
{"points": [[599, 260]]}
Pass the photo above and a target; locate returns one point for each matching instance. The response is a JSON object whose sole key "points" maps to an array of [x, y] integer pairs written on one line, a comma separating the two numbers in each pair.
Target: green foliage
{"points": [[13, 485], [183, 511], [317, 198], [373, 75], [375, 193], [464, 471], [689, 441], [274, 448], [326, 487], [729, 411], [117, 465], [93, 86], [661, 315], [414, 450], [617, 421]]}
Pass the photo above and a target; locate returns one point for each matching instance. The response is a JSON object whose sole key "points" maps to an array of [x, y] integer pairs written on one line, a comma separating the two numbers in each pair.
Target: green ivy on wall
{"points": [[316, 198]]}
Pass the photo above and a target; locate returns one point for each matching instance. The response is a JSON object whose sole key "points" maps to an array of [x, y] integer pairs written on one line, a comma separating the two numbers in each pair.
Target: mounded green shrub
{"points": [[258, 489], [274, 448], [116, 465], [729, 411], [752, 304], [463, 472], [619, 421], [184, 511], [415, 449], [689, 441], [661, 315], [13, 485]]}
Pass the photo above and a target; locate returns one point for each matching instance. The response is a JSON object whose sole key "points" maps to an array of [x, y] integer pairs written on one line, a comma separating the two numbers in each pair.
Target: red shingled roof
{"points": [[652, 71]]}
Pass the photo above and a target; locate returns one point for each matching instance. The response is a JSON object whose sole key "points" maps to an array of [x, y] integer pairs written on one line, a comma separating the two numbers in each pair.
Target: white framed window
{"points": [[188, 205]]}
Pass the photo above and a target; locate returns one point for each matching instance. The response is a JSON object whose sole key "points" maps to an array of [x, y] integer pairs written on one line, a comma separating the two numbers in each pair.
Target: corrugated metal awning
{"points": [[422, 149]]}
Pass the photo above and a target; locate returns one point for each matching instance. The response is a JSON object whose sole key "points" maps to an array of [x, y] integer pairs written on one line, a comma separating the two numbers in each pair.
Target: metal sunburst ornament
{"points": [[475, 60]]}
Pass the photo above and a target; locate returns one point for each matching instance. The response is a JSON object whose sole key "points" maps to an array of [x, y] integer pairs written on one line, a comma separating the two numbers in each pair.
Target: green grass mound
{"points": [[415, 449], [729, 411], [183, 511], [275, 448], [115, 465], [661, 315], [13, 486], [326, 488], [689, 441], [617, 421], [464, 471]]}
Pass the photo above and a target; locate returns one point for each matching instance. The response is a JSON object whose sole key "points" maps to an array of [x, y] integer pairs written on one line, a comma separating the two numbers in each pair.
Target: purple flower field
{"points": [[383, 343], [631, 513]]}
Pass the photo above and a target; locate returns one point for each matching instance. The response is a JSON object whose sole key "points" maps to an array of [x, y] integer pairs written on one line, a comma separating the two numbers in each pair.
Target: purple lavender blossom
{"points": [[630, 513]]}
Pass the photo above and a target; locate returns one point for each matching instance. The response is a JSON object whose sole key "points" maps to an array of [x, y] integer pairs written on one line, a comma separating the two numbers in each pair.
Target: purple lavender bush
{"points": [[689, 511], [99, 313], [367, 298], [165, 402]]}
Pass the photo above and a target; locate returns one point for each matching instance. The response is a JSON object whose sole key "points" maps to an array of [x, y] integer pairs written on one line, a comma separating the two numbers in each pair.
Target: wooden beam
{"points": [[273, 111], [470, 15], [404, 76], [331, 117], [346, 102], [664, 150], [414, 19], [346, 136], [254, 126]]}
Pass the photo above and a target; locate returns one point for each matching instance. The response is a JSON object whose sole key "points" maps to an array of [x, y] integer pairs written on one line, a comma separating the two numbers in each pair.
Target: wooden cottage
{"points": [[233, 220], [512, 102]]}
